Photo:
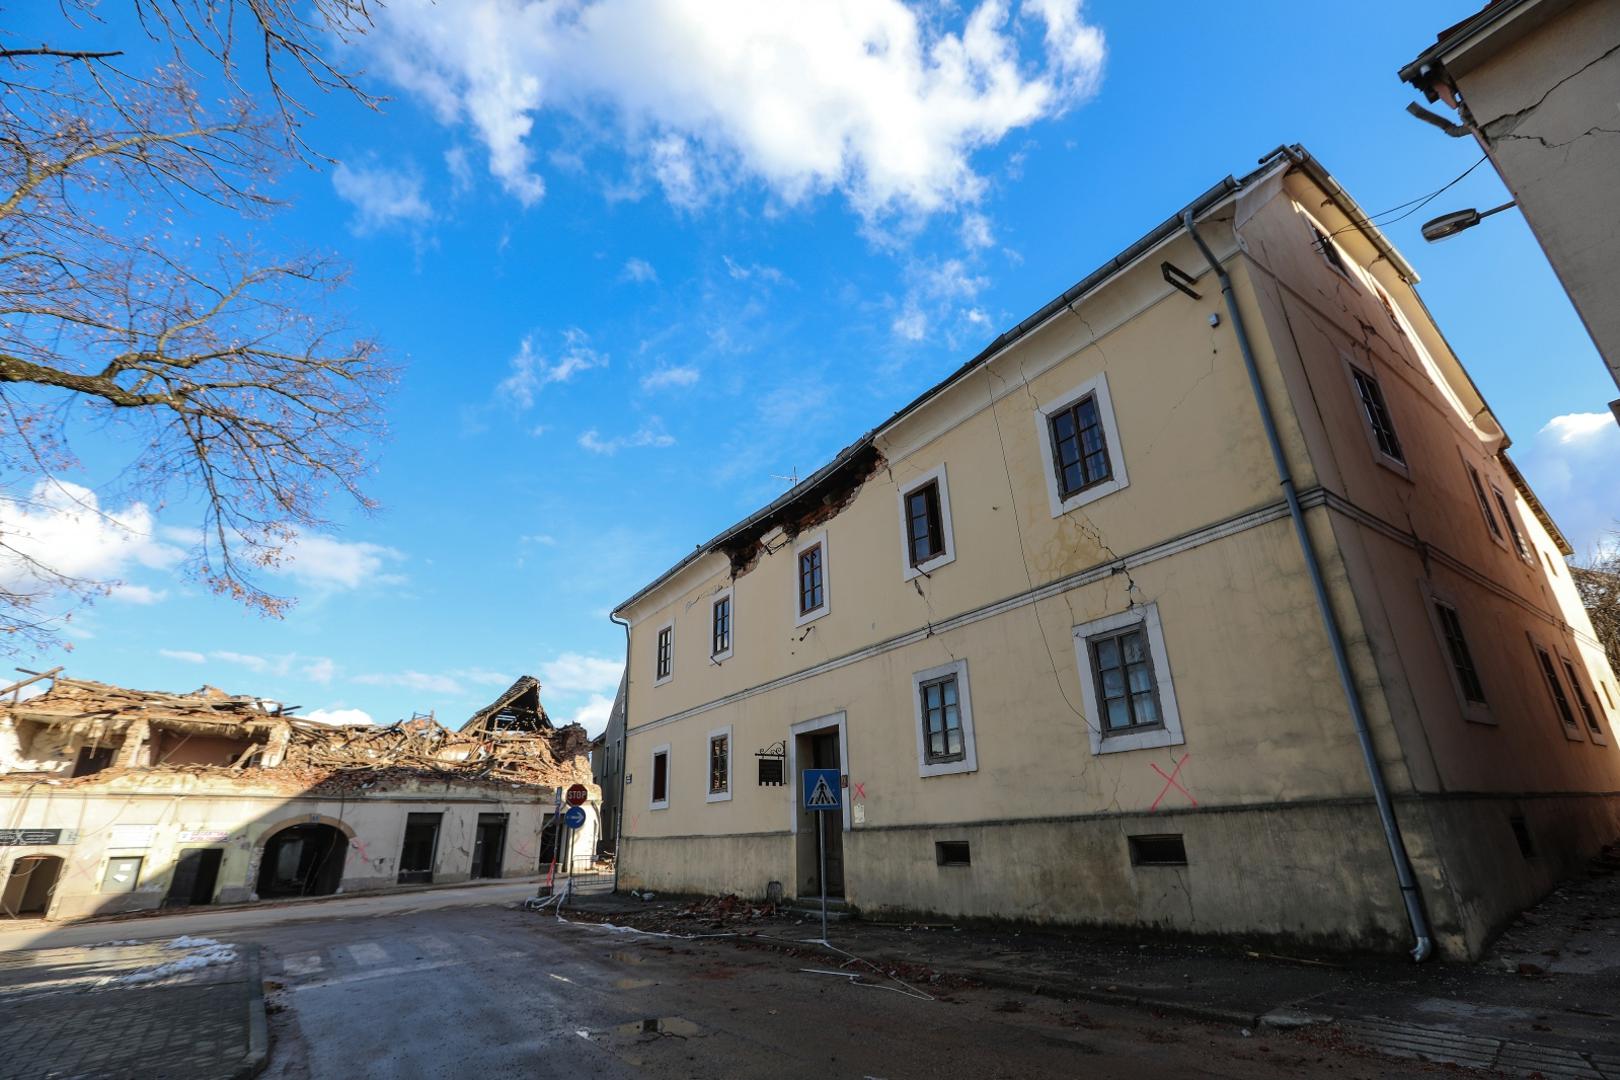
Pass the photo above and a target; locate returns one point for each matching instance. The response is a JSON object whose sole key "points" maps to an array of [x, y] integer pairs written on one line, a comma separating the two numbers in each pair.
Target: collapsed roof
{"points": [[511, 741]]}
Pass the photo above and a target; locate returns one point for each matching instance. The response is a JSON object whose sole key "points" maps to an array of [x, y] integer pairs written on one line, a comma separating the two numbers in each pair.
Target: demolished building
{"points": [[115, 800]]}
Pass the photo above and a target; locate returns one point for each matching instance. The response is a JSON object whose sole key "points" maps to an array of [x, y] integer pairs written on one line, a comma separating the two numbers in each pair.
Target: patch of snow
{"points": [[184, 942], [206, 953]]}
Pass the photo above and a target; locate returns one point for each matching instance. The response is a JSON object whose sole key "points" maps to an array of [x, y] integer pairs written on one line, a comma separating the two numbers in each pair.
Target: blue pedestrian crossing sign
{"points": [[821, 790]]}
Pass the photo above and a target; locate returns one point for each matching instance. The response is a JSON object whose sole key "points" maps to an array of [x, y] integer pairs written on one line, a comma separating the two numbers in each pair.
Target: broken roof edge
{"points": [[1564, 546], [1475, 39], [1287, 156]]}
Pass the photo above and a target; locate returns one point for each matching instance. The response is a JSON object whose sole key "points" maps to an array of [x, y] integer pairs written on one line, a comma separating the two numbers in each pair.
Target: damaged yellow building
{"points": [[115, 800], [1205, 598]]}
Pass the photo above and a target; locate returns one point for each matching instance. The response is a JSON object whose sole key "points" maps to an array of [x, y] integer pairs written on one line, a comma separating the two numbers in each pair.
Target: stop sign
{"points": [[577, 794]]}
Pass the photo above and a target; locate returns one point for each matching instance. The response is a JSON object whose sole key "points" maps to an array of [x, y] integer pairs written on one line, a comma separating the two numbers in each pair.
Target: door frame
{"points": [[805, 727]]}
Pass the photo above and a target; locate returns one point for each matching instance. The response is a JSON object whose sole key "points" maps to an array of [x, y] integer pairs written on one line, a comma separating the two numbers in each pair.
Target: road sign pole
{"points": [[821, 819]]}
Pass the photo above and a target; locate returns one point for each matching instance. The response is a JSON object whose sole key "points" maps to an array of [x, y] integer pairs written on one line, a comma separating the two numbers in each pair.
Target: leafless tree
{"points": [[1599, 585], [215, 360]]}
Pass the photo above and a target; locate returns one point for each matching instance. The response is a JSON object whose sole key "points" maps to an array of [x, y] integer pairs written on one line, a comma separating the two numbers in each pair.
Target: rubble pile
{"points": [[356, 754], [510, 742]]}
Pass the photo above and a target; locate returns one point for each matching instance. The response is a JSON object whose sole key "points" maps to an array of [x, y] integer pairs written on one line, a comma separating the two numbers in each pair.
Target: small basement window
{"points": [[952, 853], [1158, 850]]}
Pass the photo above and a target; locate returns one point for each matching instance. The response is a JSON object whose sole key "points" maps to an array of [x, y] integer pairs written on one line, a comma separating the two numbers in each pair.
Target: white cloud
{"points": [[329, 563], [874, 99], [652, 434], [256, 664], [935, 293], [530, 371], [1570, 464], [338, 716], [1578, 427], [910, 324], [321, 670], [415, 680], [61, 528], [381, 196], [461, 175], [573, 672], [739, 272], [593, 715], [665, 378], [976, 231], [184, 655], [639, 270], [137, 594]]}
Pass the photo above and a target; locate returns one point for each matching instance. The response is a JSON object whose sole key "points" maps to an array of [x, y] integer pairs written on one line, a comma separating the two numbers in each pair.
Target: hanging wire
{"points": [[1415, 204]]}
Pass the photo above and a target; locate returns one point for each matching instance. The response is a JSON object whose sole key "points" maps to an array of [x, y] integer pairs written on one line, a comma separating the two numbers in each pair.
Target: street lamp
{"points": [[1455, 222]]}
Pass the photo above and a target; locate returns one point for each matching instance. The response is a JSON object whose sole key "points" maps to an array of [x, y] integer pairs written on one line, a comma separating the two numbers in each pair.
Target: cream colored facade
{"points": [[1255, 766], [120, 842], [1535, 82]]}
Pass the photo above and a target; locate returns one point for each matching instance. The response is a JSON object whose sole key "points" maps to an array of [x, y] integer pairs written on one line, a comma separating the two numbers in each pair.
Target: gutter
{"points": [[1404, 875], [618, 811]]}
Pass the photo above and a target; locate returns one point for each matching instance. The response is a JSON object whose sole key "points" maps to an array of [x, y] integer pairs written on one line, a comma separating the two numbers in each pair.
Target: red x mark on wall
{"points": [[1170, 781], [860, 791]]}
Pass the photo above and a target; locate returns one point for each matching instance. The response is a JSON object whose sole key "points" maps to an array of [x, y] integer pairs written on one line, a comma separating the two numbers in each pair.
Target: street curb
{"points": [[1126, 996], [258, 1052]]}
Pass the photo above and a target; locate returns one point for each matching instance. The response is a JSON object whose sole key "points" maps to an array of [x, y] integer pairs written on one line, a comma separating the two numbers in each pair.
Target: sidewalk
{"points": [[120, 1012], [1518, 1010]]}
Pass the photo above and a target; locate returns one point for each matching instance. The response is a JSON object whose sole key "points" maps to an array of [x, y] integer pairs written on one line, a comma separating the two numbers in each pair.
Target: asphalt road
{"points": [[37, 934], [490, 992]]}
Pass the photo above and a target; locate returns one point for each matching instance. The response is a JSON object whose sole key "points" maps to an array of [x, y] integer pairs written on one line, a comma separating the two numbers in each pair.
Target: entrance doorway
{"points": [[819, 744], [489, 846], [196, 873], [302, 860], [421, 845], [30, 885]]}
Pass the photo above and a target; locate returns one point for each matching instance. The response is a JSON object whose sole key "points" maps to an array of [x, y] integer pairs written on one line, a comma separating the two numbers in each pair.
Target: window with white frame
{"points": [[810, 591], [1376, 418], [1511, 520], [1323, 243], [1079, 439], [1485, 505], [925, 523], [1128, 695], [1555, 687], [1465, 677], [664, 660], [721, 630], [1581, 701], [943, 710], [659, 799], [719, 765]]}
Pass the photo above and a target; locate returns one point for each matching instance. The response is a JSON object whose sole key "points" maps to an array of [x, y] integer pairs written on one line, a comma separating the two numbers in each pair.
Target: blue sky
{"points": [[641, 265]]}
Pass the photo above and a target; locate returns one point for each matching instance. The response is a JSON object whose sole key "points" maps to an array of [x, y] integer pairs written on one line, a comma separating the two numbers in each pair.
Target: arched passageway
{"points": [[302, 860]]}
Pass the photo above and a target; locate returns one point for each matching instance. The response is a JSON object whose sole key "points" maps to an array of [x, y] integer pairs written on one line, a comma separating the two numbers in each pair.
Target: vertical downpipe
{"points": [[618, 814], [1410, 894]]}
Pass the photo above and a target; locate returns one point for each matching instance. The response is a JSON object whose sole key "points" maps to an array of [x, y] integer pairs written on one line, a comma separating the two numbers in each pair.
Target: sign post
{"points": [[822, 795]]}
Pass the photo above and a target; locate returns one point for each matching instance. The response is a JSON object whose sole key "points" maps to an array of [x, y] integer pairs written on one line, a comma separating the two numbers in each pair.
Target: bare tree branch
{"points": [[217, 363]]}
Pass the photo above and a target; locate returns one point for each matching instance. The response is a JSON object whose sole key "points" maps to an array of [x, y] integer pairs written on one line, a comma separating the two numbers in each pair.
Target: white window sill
{"points": [[1137, 740], [659, 805], [948, 768], [1061, 506], [718, 796], [811, 616], [944, 558]]}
